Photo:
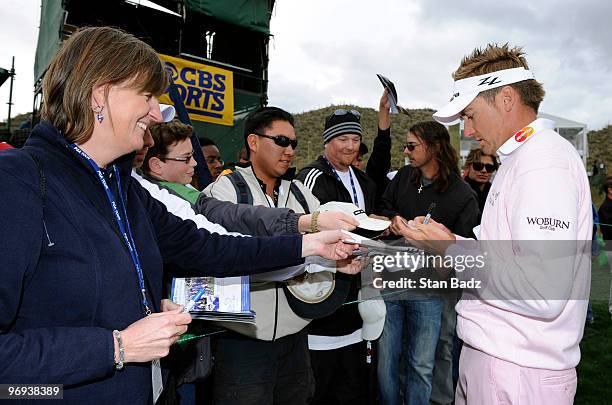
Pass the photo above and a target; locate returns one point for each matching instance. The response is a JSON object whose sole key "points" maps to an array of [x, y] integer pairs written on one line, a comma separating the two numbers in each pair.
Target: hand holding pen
{"points": [[428, 215], [395, 222]]}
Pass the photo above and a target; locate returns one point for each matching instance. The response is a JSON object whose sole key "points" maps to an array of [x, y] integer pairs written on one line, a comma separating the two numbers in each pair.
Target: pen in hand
{"points": [[193, 301], [428, 216]]}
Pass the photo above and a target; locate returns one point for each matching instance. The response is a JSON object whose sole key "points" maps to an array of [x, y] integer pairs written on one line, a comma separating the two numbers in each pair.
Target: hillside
{"points": [[600, 150], [309, 129], [600, 147], [17, 120]]}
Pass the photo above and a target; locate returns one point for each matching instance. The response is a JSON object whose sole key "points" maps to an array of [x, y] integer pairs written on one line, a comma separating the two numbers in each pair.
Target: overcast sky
{"points": [[328, 52]]}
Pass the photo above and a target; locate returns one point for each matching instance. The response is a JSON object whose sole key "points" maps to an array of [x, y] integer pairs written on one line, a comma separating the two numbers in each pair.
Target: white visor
{"points": [[466, 90], [167, 112]]}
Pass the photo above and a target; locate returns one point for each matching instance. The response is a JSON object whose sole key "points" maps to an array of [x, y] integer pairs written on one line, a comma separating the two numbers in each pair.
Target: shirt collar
{"points": [[289, 176], [523, 135]]}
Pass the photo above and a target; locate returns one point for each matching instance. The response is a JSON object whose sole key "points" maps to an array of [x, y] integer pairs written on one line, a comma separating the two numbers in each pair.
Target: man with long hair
{"points": [[428, 317]]}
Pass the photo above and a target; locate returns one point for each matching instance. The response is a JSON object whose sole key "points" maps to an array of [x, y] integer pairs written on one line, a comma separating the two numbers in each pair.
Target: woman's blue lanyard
{"points": [[126, 233], [355, 198]]}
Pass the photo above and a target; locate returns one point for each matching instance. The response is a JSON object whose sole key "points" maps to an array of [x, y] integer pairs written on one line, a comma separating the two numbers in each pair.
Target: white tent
{"points": [[574, 132]]}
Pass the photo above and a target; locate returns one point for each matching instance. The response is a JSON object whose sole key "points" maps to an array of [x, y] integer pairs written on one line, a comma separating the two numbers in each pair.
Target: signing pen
{"points": [[191, 303], [429, 210]]}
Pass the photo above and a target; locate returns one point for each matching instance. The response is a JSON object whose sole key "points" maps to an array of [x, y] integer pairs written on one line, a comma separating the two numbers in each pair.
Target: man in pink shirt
{"points": [[522, 331]]}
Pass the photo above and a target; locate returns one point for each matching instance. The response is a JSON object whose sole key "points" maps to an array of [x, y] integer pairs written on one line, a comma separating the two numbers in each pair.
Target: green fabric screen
{"points": [[51, 16], [251, 14]]}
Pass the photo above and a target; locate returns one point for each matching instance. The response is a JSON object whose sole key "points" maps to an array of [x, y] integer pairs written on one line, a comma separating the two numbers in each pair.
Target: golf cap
{"points": [[373, 311], [466, 90], [365, 222], [167, 112], [317, 295]]}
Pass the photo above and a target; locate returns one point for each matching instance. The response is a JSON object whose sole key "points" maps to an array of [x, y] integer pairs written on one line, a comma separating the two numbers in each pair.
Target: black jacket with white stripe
{"points": [[319, 177]]}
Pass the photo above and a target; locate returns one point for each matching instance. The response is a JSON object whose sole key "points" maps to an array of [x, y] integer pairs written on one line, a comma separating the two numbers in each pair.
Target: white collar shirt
{"points": [[540, 193]]}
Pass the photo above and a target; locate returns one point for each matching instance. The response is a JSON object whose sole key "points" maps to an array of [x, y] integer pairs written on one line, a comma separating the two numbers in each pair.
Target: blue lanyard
{"points": [[125, 230], [355, 198]]}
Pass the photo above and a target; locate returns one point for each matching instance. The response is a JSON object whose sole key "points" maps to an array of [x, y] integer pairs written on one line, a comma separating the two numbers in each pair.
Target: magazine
{"points": [[223, 299], [391, 94]]}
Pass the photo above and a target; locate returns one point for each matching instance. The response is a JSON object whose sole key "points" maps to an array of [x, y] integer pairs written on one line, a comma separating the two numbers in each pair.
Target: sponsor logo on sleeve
{"points": [[548, 224]]}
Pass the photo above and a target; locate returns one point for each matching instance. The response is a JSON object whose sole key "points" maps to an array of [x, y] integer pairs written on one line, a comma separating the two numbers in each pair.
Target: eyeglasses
{"points": [[342, 111], [410, 146], [478, 166], [185, 159], [281, 140]]}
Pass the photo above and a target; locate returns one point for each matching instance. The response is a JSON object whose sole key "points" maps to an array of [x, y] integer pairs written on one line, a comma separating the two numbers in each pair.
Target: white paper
{"points": [[156, 379]]}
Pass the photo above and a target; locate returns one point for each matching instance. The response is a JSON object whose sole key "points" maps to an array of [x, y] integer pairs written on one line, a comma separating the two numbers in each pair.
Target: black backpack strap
{"points": [[243, 194], [299, 196]]}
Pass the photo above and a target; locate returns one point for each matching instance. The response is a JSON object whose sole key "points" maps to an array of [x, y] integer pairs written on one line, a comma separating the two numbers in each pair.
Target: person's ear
{"points": [[155, 165], [508, 98], [98, 97], [253, 142]]}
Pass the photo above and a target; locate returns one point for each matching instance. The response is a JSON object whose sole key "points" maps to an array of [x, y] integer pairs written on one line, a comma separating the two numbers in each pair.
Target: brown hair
{"points": [[493, 58], [475, 155], [165, 135], [93, 57], [437, 138]]}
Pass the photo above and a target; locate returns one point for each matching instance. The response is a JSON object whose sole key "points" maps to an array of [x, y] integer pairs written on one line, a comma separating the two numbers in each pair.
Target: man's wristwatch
{"points": [[121, 359]]}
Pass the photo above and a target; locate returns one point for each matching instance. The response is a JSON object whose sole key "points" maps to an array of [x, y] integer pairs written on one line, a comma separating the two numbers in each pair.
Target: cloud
{"points": [[19, 33], [333, 51], [329, 52]]}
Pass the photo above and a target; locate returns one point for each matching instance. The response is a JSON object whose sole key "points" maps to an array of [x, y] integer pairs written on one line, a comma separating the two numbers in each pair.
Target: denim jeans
{"points": [[443, 389], [420, 319]]}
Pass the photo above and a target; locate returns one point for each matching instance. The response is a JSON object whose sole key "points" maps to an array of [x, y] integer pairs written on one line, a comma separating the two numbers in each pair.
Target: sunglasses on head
{"points": [[281, 140], [478, 166], [410, 146], [342, 111]]}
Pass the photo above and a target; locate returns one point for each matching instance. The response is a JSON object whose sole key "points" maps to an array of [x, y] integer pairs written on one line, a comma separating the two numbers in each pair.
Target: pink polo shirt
{"points": [[540, 192]]}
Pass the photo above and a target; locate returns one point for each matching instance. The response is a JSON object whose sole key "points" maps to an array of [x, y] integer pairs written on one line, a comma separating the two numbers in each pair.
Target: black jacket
{"points": [[456, 207], [480, 195], [320, 179], [379, 162], [605, 217]]}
